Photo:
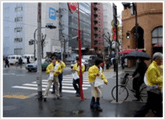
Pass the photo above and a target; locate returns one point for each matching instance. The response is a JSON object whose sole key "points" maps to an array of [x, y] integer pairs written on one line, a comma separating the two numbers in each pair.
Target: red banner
{"points": [[72, 6]]}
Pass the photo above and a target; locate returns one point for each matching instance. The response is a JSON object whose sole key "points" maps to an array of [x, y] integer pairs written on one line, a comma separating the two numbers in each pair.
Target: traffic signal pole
{"points": [[39, 74], [116, 46]]}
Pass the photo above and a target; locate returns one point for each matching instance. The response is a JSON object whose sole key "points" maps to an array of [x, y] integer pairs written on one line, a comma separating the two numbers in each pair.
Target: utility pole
{"points": [[39, 74]]}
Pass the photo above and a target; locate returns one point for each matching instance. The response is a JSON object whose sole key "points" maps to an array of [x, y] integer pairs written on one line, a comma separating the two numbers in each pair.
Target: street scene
{"points": [[88, 59]]}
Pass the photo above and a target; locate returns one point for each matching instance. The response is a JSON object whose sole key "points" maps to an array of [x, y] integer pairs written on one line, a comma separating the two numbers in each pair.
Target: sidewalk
{"points": [[68, 106], [71, 106]]}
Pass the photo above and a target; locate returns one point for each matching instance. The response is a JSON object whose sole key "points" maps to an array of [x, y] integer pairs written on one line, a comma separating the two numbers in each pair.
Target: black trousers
{"points": [[137, 82], [154, 102], [76, 85]]}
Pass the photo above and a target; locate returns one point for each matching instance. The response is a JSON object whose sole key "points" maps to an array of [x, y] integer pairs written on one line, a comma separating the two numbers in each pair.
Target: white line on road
{"points": [[43, 89], [34, 85]]}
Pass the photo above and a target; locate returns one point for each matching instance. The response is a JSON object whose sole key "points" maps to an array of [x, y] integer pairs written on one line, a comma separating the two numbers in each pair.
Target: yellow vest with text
{"points": [[51, 67]]}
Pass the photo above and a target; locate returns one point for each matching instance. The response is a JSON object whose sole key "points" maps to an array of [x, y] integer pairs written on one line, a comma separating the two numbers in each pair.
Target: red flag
{"points": [[72, 6]]}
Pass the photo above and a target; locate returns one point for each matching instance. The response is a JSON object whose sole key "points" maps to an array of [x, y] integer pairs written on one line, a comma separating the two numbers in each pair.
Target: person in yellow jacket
{"points": [[76, 80], [95, 72], [56, 72], [60, 77], [154, 82]]}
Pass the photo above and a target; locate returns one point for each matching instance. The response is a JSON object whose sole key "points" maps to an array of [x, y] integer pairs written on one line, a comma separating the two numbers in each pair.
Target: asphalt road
{"points": [[18, 77]]}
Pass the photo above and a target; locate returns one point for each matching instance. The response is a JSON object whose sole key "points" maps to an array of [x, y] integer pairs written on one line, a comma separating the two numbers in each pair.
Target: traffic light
{"points": [[127, 35], [50, 26]]}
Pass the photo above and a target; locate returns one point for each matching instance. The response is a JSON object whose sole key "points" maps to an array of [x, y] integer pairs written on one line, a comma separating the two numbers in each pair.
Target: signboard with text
{"points": [[52, 13]]}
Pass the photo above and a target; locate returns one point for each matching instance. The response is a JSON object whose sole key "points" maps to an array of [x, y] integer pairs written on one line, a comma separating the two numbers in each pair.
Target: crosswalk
{"points": [[67, 86]]}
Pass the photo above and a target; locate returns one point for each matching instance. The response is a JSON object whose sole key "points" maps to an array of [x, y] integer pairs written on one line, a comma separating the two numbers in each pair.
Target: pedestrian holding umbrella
{"points": [[138, 54]]}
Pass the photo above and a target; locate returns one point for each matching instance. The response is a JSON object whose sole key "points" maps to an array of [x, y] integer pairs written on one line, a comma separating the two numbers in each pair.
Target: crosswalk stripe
{"points": [[34, 85], [67, 81], [43, 89], [63, 84], [67, 85]]}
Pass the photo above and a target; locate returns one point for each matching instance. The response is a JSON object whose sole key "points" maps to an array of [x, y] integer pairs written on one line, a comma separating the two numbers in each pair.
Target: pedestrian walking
{"points": [[60, 77], [122, 62], [76, 76], [6, 62], [154, 82], [20, 62], [113, 61], [28, 60], [139, 80], [95, 73], [53, 70]]}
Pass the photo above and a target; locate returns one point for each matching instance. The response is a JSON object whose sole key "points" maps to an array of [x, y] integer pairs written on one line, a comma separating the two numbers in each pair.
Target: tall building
{"points": [[85, 26], [107, 26], [97, 42], [20, 22], [107, 18]]}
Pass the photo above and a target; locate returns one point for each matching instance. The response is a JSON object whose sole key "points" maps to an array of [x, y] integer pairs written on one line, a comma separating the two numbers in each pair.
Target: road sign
{"points": [[52, 13]]}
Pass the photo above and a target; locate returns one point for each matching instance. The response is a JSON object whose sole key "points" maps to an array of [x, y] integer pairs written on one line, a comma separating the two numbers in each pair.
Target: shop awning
{"points": [[158, 45], [128, 51]]}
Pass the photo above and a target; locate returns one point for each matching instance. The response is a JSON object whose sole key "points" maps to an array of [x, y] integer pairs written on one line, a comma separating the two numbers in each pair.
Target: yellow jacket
{"points": [[161, 69], [153, 75], [51, 67], [75, 67], [95, 70], [62, 65]]}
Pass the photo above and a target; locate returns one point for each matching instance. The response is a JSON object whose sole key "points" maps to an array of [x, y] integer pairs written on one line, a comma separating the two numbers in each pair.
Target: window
{"points": [[18, 51], [18, 29], [7, 10], [17, 40], [157, 35], [18, 19], [20, 8]]}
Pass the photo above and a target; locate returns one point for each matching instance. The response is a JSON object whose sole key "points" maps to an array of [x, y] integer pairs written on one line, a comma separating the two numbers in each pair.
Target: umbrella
{"points": [[138, 54], [158, 45]]}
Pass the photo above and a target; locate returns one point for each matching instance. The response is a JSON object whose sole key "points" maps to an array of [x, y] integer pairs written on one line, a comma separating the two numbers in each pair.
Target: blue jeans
{"points": [[60, 77]]}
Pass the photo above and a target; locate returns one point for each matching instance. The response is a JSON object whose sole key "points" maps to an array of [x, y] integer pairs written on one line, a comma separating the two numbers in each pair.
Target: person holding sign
{"points": [[96, 79], [76, 76], [53, 70]]}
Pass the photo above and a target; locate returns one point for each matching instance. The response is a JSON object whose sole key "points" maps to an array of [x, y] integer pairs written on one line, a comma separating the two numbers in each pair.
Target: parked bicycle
{"points": [[123, 88]]}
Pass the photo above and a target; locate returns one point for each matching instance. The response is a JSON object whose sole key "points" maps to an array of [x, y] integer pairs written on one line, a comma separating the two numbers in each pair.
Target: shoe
{"points": [[58, 97], [99, 109], [78, 95], [53, 92]]}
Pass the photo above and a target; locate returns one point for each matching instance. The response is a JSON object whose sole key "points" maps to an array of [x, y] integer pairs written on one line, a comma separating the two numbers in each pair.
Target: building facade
{"points": [[97, 42], [85, 26], [20, 23], [149, 30]]}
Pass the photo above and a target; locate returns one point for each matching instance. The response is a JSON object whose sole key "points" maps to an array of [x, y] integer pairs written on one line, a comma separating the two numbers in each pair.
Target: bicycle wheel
{"points": [[143, 94], [122, 93]]}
